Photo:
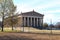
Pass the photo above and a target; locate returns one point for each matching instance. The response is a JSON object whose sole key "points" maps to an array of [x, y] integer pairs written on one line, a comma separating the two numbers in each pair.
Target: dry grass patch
{"points": [[27, 36]]}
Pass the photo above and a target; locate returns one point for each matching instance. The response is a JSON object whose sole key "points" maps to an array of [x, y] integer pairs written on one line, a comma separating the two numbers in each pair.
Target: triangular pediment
{"points": [[31, 13]]}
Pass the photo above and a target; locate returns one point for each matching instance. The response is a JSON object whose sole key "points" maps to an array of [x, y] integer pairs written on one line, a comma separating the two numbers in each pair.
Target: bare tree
{"points": [[13, 18], [13, 21], [6, 7]]}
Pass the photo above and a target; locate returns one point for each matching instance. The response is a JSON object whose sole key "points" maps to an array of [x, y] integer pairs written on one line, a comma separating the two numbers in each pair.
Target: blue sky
{"points": [[50, 8]]}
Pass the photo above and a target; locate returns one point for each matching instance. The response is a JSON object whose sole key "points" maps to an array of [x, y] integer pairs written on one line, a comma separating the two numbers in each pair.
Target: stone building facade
{"points": [[30, 19]]}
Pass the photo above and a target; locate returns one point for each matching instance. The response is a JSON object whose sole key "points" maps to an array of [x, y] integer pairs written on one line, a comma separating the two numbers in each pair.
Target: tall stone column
{"points": [[41, 22], [37, 21], [34, 22], [28, 21], [24, 21], [31, 21]]}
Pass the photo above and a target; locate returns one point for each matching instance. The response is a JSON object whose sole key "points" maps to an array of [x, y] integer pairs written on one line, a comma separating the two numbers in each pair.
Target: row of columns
{"points": [[32, 21]]}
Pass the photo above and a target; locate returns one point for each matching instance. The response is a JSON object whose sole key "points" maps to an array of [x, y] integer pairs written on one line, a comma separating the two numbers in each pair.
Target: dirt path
{"points": [[27, 36]]}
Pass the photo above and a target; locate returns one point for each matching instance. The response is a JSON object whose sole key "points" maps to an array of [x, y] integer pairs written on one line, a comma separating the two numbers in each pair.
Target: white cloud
{"points": [[51, 11], [48, 5], [28, 6], [23, 8], [48, 17]]}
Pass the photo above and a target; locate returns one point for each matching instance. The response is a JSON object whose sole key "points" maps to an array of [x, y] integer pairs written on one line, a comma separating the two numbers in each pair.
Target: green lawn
{"points": [[10, 30], [33, 30], [8, 34]]}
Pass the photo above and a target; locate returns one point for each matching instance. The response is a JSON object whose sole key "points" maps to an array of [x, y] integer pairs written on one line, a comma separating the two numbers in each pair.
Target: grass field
{"points": [[32, 30], [29, 34]]}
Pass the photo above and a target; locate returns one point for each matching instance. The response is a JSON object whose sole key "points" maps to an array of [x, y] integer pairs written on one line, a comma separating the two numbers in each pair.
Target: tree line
{"points": [[47, 26]]}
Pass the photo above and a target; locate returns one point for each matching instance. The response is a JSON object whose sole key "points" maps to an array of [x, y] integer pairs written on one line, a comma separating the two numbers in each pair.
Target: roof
{"points": [[31, 13]]}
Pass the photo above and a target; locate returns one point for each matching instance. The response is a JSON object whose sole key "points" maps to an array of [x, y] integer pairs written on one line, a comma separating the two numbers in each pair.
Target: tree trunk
{"points": [[2, 26], [12, 28], [2, 23]]}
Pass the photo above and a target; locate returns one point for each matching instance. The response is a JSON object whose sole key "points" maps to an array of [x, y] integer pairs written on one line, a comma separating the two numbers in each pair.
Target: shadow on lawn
{"points": [[26, 36], [13, 38], [18, 38]]}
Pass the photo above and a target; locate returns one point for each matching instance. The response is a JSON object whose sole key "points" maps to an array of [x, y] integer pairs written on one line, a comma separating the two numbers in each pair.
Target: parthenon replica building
{"points": [[31, 19]]}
